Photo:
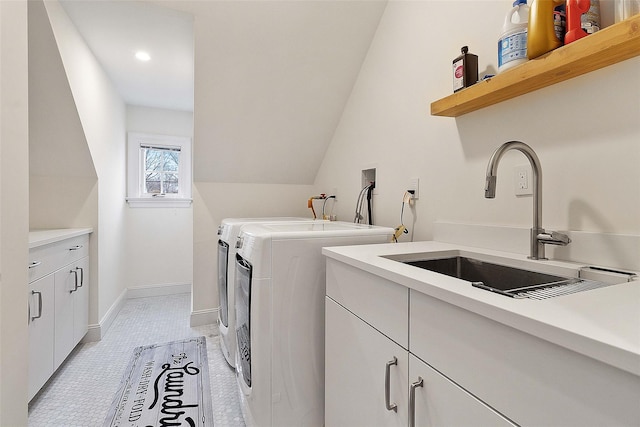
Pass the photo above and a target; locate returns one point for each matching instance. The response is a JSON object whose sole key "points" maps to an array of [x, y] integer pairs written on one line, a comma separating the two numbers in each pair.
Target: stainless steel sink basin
{"points": [[509, 281]]}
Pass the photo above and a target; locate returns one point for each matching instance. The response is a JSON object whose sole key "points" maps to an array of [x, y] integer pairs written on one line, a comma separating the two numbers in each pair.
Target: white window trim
{"points": [[135, 198]]}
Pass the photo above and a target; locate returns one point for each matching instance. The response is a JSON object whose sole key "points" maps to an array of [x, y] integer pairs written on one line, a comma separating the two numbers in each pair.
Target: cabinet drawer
{"points": [[46, 259], [529, 380], [379, 302]]}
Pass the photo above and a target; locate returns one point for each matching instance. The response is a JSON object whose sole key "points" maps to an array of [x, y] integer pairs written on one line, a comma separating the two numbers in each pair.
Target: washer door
{"points": [[223, 266], [243, 317]]}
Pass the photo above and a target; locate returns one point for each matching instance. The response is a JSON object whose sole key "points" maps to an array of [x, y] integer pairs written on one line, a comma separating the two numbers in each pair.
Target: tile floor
{"points": [[80, 392]]}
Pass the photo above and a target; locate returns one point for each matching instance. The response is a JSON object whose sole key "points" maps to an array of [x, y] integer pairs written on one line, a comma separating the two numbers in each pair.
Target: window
{"points": [[159, 170]]}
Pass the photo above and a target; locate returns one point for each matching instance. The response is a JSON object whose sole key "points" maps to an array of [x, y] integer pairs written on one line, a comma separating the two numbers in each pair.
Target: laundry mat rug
{"points": [[164, 385]]}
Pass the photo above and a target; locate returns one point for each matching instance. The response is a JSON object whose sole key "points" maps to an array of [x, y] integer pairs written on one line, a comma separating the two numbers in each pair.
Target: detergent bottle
{"points": [[541, 37], [512, 44]]}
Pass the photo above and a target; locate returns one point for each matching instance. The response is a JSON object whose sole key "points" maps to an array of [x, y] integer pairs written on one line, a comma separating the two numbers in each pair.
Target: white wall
{"points": [[215, 201], [263, 119], [159, 241], [272, 78], [103, 116], [63, 185], [585, 132], [14, 212]]}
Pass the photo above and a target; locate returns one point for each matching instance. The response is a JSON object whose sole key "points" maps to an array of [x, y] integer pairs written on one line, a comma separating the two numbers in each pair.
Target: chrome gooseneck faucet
{"points": [[539, 237]]}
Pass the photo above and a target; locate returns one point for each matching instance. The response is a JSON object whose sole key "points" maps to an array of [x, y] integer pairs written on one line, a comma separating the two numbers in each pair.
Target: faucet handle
{"points": [[553, 238]]}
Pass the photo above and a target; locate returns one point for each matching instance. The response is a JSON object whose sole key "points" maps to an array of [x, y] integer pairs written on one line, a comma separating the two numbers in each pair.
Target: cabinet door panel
{"points": [[81, 301], [65, 284], [356, 358], [40, 333], [440, 402]]}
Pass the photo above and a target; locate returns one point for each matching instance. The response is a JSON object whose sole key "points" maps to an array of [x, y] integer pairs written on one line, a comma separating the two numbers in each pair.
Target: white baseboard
{"points": [[621, 251], [94, 334], [203, 317], [157, 290], [97, 331]]}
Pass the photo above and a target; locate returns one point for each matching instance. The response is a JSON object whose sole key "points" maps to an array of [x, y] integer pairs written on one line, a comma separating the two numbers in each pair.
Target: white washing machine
{"points": [[280, 294], [227, 235]]}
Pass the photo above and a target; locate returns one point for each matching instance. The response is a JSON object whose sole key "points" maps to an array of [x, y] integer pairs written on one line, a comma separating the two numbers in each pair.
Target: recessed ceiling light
{"points": [[143, 56]]}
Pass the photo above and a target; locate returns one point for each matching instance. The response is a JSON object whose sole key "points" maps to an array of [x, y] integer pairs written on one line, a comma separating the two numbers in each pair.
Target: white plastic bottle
{"points": [[624, 9], [512, 44]]}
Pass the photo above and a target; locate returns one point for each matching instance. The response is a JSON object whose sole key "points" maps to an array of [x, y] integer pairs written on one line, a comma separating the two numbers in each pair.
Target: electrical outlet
{"points": [[522, 180], [414, 184]]}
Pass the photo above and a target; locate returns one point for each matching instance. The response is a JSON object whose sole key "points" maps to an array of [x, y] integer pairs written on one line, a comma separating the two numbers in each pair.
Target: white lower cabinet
{"points": [[454, 367], [372, 380], [58, 305]]}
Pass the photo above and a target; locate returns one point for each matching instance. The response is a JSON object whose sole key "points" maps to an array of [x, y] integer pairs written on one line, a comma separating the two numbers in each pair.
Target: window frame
{"points": [[135, 170]]}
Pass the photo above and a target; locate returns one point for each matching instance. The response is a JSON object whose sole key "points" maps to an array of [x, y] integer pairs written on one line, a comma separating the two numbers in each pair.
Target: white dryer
{"points": [[280, 294], [227, 235]]}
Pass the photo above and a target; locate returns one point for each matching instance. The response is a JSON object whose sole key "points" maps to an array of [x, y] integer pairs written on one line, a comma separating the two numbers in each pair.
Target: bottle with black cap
{"points": [[465, 69]]}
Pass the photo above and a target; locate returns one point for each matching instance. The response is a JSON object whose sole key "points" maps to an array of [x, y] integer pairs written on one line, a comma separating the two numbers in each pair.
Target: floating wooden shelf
{"points": [[611, 45]]}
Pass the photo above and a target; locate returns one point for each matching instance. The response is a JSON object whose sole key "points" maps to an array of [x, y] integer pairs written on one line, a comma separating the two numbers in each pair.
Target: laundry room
{"points": [[316, 120]]}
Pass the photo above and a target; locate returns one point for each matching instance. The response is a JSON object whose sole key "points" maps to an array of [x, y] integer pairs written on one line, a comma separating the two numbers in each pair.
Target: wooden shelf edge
{"points": [[609, 46]]}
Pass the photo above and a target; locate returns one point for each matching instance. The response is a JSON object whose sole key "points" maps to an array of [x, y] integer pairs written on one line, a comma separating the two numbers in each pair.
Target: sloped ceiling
{"points": [[57, 144], [271, 79]]}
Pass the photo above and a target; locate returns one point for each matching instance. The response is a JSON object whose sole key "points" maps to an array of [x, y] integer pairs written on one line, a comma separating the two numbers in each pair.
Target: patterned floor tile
{"points": [[81, 390]]}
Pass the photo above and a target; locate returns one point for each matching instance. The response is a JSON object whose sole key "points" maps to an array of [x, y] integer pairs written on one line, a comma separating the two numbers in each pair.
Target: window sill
{"points": [[158, 202]]}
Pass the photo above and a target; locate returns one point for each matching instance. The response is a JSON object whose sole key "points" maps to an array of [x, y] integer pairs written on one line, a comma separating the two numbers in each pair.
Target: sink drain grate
{"points": [[557, 289]]}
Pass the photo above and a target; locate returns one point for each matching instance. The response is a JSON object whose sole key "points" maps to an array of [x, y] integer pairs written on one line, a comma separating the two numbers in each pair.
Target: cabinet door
{"points": [[41, 305], [356, 356], [66, 280], [81, 301], [440, 402]]}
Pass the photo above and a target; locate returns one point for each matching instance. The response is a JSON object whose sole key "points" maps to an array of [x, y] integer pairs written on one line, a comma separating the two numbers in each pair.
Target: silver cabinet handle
{"points": [[75, 248], [81, 276], [75, 288], [39, 306], [387, 386], [412, 401], [34, 264]]}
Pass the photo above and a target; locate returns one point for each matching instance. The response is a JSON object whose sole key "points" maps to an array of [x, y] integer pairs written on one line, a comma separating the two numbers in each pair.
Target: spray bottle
{"points": [[575, 9]]}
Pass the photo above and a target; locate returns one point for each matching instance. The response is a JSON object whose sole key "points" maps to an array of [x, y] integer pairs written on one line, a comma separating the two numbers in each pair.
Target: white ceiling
{"points": [[272, 77], [116, 30]]}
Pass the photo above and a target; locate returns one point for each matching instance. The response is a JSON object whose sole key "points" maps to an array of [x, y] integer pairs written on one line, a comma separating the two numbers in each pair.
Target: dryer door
{"points": [[243, 317], [223, 266]]}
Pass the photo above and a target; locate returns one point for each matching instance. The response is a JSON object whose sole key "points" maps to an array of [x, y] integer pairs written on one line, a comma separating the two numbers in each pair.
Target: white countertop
{"points": [[603, 323], [44, 237]]}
